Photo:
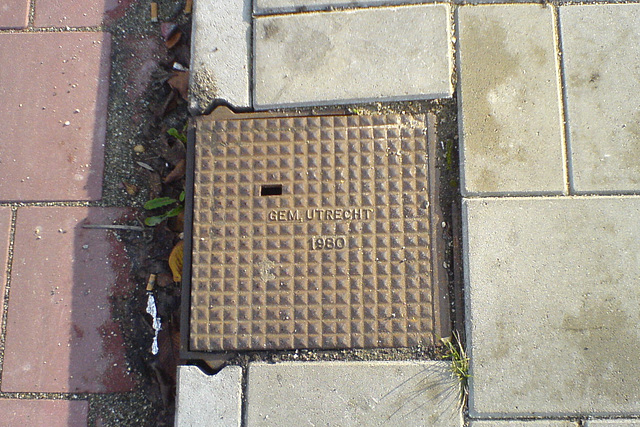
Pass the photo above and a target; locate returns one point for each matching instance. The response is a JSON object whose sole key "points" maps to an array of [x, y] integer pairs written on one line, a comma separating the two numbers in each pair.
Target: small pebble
{"points": [[138, 148], [67, 123]]}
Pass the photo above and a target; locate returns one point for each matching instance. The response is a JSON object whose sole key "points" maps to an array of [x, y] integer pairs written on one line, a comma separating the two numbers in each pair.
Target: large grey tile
{"points": [[352, 394], [510, 121], [552, 305], [388, 53], [522, 423], [281, 6], [220, 51], [209, 400], [601, 51], [612, 423]]}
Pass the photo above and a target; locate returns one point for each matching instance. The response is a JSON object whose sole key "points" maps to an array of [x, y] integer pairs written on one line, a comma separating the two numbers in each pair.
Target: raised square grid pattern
{"points": [[341, 259]]}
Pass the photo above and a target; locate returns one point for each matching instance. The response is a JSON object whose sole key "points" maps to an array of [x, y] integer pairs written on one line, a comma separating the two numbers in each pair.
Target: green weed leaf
{"points": [[178, 135], [175, 211], [159, 202], [154, 220]]}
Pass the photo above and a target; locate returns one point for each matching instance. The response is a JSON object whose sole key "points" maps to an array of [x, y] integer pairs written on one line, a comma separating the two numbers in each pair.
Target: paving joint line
{"points": [[84, 396], [87, 203], [252, 52], [553, 196], [32, 13], [244, 398], [4, 313], [453, 44], [55, 30], [566, 152]]}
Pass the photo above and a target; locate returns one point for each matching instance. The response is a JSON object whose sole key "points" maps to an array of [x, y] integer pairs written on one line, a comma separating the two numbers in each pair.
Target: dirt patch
{"points": [[139, 154]]}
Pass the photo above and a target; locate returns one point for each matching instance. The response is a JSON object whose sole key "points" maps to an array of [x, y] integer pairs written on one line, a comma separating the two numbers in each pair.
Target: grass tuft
{"points": [[459, 363]]}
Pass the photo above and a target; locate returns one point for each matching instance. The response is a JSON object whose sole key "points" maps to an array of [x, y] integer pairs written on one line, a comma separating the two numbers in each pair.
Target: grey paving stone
{"points": [[510, 121], [601, 45], [388, 53], [220, 52], [352, 394], [522, 423], [552, 305], [209, 400], [612, 423], [280, 6]]}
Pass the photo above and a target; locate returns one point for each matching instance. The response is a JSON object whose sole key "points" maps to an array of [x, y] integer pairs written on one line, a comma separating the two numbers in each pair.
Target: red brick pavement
{"points": [[72, 13], [54, 103], [60, 332], [50, 413], [14, 14]]}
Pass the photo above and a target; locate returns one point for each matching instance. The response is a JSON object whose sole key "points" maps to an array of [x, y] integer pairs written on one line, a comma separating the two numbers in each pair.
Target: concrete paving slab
{"points": [[522, 423], [220, 52], [50, 413], [510, 112], [552, 305], [14, 14], [388, 53], [54, 108], [601, 52], [72, 13], [612, 423], [5, 230], [60, 335], [209, 400], [284, 6], [420, 393]]}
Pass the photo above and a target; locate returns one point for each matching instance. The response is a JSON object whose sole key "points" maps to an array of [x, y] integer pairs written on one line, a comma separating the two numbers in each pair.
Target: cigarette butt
{"points": [[188, 6], [154, 12], [151, 283]]}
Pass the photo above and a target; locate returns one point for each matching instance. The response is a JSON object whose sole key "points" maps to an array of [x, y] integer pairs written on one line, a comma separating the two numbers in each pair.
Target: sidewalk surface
{"points": [[59, 344], [549, 132]]}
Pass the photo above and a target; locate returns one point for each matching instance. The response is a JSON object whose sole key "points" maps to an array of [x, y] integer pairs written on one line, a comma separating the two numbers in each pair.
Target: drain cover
{"points": [[313, 232]]}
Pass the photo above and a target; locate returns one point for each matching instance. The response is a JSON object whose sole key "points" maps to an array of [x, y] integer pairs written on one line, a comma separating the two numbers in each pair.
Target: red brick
{"points": [[64, 278], [14, 14], [54, 104], [72, 13], [36, 413]]}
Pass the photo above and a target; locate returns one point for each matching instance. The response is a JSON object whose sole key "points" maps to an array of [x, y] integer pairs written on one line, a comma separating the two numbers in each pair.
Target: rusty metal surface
{"points": [[311, 232]]}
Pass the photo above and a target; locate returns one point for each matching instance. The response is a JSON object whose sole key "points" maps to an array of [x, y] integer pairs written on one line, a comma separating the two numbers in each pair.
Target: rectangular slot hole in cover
{"points": [[271, 190]]}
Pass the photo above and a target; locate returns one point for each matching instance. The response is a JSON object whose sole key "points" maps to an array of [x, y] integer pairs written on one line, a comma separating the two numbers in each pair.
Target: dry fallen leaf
{"points": [[131, 189], [180, 82], [177, 172], [175, 261], [173, 40]]}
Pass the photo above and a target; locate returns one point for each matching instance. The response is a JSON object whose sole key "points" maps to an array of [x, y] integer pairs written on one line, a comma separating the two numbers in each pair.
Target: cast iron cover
{"points": [[312, 232]]}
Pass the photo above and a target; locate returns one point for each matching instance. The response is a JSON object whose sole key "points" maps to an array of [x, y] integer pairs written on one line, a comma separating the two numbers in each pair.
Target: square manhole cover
{"points": [[314, 232]]}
